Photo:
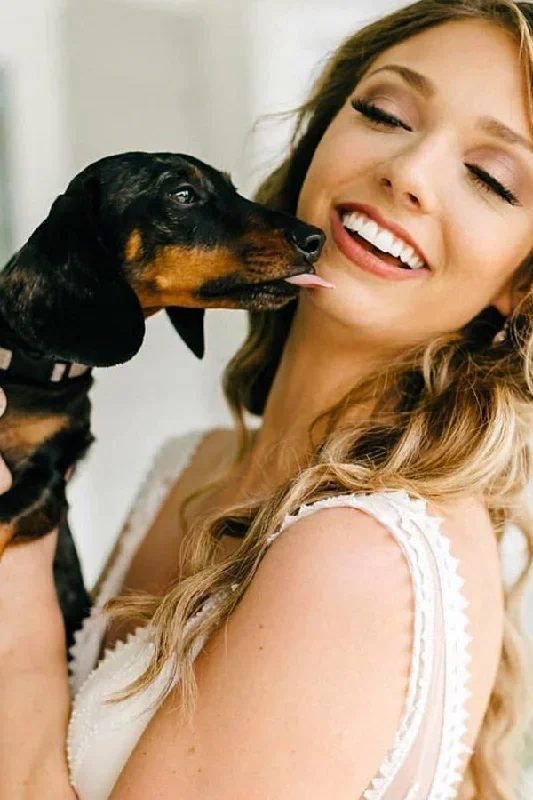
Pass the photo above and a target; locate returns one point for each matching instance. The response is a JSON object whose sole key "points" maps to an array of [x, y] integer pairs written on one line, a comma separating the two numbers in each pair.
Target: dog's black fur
{"points": [[132, 234]]}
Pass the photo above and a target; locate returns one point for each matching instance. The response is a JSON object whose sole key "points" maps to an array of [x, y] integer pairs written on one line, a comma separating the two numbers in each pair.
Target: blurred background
{"points": [[80, 79]]}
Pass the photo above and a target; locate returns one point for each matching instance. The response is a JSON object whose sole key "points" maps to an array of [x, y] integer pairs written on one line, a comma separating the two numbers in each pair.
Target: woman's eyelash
{"points": [[486, 181], [482, 178], [377, 115]]}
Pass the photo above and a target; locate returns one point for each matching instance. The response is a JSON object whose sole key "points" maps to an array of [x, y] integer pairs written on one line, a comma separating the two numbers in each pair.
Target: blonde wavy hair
{"points": [[450, 418]]}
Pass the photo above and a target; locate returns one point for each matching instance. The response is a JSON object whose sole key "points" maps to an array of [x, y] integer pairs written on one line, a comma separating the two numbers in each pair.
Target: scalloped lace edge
{"points": [[427, 530], [170, 460], [413, 527]]}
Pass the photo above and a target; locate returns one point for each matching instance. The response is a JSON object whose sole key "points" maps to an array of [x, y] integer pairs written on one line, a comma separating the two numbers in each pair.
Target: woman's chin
{"points": [[351, 307]]}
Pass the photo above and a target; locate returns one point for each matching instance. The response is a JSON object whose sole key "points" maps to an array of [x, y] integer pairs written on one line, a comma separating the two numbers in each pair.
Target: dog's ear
{"points": [[189, 323], [64, 292]]}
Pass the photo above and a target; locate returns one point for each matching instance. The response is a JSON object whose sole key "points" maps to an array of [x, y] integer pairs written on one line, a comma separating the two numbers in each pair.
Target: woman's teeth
{"points": [[384, 240]]}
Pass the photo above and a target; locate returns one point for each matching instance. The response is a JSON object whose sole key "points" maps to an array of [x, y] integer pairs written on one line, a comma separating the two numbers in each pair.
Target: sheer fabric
{"points": [[428, 754]]}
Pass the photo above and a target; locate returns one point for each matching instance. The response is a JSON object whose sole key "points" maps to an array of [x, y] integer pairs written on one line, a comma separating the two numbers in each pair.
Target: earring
{"points": [[502, 335]]}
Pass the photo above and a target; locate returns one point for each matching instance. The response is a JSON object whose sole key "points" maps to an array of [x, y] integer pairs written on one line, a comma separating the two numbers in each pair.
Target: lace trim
{"points": [[411, 525], [170, 461], [525, 784], [119, 666], [83, 725], [448, 772], [413, 794]]}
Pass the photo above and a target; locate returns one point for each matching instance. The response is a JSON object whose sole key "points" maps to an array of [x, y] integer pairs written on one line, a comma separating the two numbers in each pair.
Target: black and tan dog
{"points": [[132, 234]]}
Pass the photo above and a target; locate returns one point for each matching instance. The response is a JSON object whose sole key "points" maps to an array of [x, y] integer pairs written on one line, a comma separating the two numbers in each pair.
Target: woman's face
{"points": [[427, 175]]}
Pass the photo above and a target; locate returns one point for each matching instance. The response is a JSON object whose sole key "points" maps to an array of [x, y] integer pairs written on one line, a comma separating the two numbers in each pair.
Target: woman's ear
{"points": [[64, 292]]}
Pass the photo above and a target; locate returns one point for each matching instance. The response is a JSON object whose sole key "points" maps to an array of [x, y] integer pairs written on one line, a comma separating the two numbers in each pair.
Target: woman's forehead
{"points": [[474, 63], [474, 50]]}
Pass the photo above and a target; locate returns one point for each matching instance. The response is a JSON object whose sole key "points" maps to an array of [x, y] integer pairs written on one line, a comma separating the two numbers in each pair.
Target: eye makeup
{"points": [[401, 82], [481, 177]]}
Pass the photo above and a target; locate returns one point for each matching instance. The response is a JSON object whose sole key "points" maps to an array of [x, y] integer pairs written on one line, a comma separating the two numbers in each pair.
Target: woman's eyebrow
{"points": [[423, 85]]}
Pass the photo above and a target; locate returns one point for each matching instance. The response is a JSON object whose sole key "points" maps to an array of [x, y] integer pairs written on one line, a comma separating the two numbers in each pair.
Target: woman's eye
{"points": [[490, 184], [185, 195], [376, 114], [481, 177]]}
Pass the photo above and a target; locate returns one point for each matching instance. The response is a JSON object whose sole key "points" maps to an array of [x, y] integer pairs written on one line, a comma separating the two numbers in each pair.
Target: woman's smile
{"points": [[367, 257]]}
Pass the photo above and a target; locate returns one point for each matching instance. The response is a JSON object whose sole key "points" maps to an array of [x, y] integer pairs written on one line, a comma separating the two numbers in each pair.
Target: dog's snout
{"points": [[309, 245], [313, 245]]}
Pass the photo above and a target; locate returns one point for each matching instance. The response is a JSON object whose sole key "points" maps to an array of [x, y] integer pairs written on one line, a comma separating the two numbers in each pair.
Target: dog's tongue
{"points": [[310, 281]]}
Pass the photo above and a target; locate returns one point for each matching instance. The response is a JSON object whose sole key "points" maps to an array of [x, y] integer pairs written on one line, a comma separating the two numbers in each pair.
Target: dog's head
{"points": [[138, 232]]}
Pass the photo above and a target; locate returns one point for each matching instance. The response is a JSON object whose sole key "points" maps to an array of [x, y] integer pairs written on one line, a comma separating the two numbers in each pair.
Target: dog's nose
{"points": [[308, 245]]}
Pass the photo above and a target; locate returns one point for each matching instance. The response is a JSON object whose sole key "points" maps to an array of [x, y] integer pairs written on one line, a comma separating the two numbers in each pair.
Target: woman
{"points": [[370, 651]]}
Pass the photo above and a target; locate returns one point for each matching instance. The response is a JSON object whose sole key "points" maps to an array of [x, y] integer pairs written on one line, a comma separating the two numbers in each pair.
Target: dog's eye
{"points": [[185, 195]]}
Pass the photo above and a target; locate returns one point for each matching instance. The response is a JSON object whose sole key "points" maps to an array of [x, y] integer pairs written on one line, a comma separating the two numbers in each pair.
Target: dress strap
{"points": [[439, 659]]}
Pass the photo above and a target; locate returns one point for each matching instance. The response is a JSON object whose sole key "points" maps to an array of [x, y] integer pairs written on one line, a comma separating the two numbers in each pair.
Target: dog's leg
{"points": [[37, 504], [73, 597]]}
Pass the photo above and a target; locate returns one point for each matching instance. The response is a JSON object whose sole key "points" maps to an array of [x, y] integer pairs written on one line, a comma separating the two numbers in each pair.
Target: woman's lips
{"points": [[373, 213], [368, 261]]}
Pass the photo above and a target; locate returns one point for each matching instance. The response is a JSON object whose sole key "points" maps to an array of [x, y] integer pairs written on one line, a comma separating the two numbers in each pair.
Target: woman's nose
{"points": [[407, 197], [410, 179]]}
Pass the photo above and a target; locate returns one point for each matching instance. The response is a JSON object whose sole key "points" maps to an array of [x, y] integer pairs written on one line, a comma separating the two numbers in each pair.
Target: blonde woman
{"points": [[325, 617]]}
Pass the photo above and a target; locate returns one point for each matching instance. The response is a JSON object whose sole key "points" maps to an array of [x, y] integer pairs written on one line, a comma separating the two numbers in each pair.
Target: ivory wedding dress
{"points": [[426, 758]]}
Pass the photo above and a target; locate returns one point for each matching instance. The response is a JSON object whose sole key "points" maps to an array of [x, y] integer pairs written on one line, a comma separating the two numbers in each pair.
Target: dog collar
{"points": [[40, 368]]}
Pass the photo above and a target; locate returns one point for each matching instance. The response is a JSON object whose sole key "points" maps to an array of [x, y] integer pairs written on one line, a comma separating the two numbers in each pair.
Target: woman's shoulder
{"points": [[168, 478], [176, 452], [386, 571], [460, 528], [145, 544], [333, 622]]}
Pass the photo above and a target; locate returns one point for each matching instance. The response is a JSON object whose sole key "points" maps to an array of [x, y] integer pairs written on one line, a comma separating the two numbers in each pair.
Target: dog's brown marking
{"points": [[196, 173], [20, 436], [134, 247], [176, 273], [22, 431]]}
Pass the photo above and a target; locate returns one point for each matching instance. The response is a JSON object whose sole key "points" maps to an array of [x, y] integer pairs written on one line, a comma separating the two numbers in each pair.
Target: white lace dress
{"points": [[428, 754]]}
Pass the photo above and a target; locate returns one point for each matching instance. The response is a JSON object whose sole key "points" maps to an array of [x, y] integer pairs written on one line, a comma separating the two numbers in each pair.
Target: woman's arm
{"points": [[297, 695], [34, 696]]}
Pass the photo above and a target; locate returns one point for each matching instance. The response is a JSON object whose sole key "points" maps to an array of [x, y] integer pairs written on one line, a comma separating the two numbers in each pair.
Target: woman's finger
{"points": [[6, 479]]}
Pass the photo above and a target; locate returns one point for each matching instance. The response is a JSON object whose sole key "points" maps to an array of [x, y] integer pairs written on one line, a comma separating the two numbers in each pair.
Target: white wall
{"points": [[30, 52]]}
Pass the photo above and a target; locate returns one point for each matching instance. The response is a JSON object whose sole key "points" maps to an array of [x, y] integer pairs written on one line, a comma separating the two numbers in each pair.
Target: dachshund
{"points": [[132, 234]]}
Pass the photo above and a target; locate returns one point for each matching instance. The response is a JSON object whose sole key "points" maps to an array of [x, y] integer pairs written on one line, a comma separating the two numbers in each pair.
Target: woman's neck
{"points": [[320, 364]]}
